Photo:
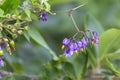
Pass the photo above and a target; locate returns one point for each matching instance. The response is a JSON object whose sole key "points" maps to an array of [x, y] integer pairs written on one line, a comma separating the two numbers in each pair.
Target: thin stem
{"points": [[79, 6], [78, 33], [74, 22], [71, 9]]}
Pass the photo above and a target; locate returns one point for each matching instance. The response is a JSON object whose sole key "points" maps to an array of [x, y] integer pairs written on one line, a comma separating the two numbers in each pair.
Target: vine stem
{"points": [[74, 22], [71, 16]]}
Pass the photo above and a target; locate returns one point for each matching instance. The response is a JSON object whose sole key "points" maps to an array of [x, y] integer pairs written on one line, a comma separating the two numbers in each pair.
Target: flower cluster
{"points": [[11, 27], [74, 45]]}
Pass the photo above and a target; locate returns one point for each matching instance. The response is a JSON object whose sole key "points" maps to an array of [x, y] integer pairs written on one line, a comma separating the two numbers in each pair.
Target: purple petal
{"points": [[65, 41], [74, 46], [84, 42], [1, 62], [68, 52]]}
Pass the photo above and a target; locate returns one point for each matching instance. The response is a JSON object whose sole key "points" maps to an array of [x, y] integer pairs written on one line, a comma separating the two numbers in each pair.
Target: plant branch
{"points": [[5, 73], [32, 76]]}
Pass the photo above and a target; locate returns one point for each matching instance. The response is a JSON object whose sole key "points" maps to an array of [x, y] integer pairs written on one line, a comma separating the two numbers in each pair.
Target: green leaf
{"points": [[114, 55], [109, 40], [27, 36], [35, 35], [111, 67], [10, 5], [69, 69], [91, 58], [27, 12], [14, 63], [1, 13], [93, 24], [26, 9], [48, 7], [79, 63]]}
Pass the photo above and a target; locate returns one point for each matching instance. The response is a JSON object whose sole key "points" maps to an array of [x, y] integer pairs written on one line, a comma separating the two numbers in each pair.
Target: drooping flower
{"points": [[94, 37], [43, 16], [65, 41], [79, 44], [84, 42], [70, 46], [68, 52], [74, 45]]}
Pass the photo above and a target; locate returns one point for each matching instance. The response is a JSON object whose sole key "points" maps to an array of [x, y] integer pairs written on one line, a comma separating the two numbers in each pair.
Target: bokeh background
{"points": [[34, 59]]}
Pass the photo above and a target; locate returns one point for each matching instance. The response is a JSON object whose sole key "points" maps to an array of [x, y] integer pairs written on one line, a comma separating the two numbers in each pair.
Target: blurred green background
{"points": [[32, 58]]}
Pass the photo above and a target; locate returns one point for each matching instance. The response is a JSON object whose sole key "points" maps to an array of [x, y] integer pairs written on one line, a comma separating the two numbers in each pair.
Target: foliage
{"points": [[38, 54]]}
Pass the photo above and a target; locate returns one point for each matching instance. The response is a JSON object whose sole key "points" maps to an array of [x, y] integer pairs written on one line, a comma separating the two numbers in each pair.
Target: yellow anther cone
{"points": [[82, 49], [76, 51], [62, 47], [1, 52]]}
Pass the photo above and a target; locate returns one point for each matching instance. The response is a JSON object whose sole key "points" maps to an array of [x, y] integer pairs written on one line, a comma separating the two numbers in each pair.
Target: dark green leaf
{"points": [[35, 35], [27, 36], [93, 24], [114, 55], [109, 40], [10, 5], [111, 67]]}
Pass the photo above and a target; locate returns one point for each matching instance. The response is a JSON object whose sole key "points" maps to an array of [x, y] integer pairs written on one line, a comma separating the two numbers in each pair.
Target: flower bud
{"points": [[19, 17], [9, 26], [1, 52], [14, 30], [17, 25], [8, 49], [26, 28], [8, 16], [1, 28], [28, 19], [12, 43], [1, 24], [14, 36], [5, 39], [14, 16], [20, 32], [1, 2]]}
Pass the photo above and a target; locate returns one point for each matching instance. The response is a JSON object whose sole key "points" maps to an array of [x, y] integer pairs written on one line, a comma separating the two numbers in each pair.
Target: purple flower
{"points": [[68, 52], [79, 44], [1, 62], [84, 42], [65, 41], [43, 15], [74, 46], [94, 38]]}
